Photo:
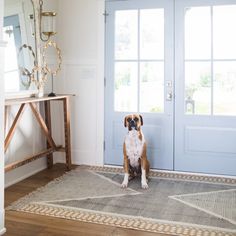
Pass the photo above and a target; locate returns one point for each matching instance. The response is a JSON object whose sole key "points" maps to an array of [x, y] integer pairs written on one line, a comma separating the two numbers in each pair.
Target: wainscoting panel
{"points": [[210, 139], [81, 79]]}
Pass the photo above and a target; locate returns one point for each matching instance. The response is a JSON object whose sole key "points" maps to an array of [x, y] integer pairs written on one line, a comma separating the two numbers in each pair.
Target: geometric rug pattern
{"points": [[178, 204], [221, 204]]}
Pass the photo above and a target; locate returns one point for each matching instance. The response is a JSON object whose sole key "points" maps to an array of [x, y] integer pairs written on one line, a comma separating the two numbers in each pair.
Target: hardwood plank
{"points": [[24, 224], [29, 224]]}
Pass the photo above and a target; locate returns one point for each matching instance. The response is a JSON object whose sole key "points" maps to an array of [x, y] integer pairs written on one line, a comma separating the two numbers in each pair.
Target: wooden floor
{"points": [[24, 224]]}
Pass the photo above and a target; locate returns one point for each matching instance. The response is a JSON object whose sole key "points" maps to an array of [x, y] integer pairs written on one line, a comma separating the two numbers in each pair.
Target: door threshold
{"points": [[190, 176]]}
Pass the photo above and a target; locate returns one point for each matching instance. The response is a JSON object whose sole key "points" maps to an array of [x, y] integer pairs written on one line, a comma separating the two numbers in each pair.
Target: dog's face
{"points": [[133, 122]]}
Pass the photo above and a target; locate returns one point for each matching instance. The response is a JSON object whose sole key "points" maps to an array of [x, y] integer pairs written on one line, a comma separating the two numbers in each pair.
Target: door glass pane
{"points": [[151, 87], [224, 29], [198, 88], [224, 88], [198, 33], [126, 32], [126, 86], [152, 34]]}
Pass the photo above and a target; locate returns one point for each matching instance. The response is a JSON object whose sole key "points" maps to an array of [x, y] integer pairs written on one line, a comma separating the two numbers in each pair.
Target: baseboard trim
{"points": [[25, 176], [2, 217]]}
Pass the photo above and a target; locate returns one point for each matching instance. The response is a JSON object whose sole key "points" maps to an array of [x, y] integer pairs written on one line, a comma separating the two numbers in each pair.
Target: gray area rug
{"points": [[170, 205]]}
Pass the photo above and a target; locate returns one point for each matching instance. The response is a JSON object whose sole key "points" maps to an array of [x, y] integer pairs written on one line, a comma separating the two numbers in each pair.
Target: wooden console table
{"points": [[45, 124]]}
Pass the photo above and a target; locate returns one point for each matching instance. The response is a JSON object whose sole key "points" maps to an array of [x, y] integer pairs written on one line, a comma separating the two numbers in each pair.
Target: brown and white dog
{"points": [[134, 149]]}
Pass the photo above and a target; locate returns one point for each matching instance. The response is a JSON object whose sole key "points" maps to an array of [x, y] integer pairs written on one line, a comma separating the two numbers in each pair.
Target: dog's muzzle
{"points": [[132, 125]]}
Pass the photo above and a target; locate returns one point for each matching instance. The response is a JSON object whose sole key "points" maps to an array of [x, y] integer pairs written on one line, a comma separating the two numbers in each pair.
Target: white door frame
{"points": [[2, 46]]}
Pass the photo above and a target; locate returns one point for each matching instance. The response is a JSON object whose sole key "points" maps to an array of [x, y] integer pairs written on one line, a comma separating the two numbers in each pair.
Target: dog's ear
{"points": [[125, 122], [141, 119]]}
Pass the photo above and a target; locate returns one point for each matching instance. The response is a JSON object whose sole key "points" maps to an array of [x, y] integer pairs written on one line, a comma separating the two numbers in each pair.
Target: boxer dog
{"points": [[134, 150]]}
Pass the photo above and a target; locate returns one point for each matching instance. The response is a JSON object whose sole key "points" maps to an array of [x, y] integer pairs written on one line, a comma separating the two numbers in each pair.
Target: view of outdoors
{"points": [[139, 60], [210, 60]]}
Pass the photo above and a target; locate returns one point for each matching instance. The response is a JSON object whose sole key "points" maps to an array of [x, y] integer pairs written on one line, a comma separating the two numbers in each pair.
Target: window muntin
{"points": [[210, 90], [139, 61]]}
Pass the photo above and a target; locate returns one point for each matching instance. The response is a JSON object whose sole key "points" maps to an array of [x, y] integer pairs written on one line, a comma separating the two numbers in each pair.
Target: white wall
{"points": [[2, 229], [81, 38]]}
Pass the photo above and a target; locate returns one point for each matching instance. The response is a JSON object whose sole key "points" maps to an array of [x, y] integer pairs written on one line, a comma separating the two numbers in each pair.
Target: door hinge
{"points": [[105, 16], [104, 145], [105, 82]]}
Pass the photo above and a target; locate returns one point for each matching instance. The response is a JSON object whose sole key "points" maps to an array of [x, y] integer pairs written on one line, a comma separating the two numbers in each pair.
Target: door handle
{"points": [[169, 96]]}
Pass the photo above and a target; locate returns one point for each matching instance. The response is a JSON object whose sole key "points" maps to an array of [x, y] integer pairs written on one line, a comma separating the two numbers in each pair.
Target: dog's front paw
{"points": [[124, 184], [125, 181], [144, 185]]}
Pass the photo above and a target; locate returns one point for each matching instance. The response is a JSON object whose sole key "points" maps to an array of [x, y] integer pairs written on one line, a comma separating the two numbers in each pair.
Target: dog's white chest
{"points": [[134, 147]]}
